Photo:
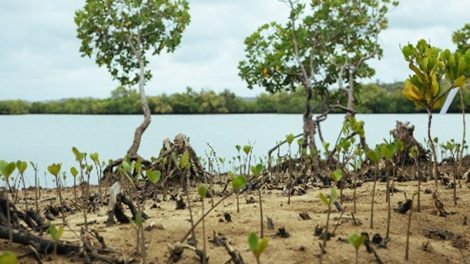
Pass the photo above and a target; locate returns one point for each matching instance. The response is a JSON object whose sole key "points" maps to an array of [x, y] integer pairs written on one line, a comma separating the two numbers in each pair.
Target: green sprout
{"points": [[202, 191], [8, 257], [356, 241], [257, 170], [56, 234], [257, 246]]}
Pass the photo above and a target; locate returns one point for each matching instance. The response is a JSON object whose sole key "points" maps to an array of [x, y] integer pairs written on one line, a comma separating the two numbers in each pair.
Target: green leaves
{"points": [[238, 182], [336, 175], [256, 170], [290, 138], [22, 166], [256, 245], [202, 191], [54, 169], [356, 240], [184, 161], [247, 149], [153, 176], [8, 257], [55, 233], [8, 169], [332, 197], [373, 155], [119, 38], [95, 157], [74, 172]]}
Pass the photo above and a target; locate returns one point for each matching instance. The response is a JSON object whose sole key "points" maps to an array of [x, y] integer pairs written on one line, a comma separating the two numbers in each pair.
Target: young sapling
{"points": [[54, 169], [374, 157], [56, 234], [256, 170], [6, 170], [356, 241], [257, 246], [202, 191]]}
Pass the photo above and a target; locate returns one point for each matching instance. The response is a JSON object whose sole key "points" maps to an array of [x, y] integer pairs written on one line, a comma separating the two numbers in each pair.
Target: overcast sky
{"points": [[39, 57]]}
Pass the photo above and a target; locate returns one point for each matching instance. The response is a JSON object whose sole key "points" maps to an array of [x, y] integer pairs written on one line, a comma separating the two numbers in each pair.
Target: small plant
{"points": [[54, 169], [336, 177], [453, 149], [289, 139], [238, 182], [256, 170], [408, 228], [8, 257], [356, 241], [74, 173], [413, 152], [374, 157], [387, 151], [56, 234], [257, 246], [202, 191], [6, 170], [22, 166]]}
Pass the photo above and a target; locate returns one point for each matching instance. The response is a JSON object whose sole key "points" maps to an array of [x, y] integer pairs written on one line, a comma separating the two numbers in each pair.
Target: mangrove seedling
{"points": [[74, 173], [257, 246], [8, 257], [335, 176], [22, 166], [54, 169], [36, 184], [248, 151], [6, 170], [185, 164], [413, 152], [202, 191], [356, 241], [238, 182], [256, 170], [388, 151], [56, 234], [408, 228], [374, 157], [453, 149], [327, 201], [289, 139]]}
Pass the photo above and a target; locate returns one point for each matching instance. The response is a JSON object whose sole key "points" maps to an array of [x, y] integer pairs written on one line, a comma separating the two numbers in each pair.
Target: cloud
{"points": [[39, 52]]}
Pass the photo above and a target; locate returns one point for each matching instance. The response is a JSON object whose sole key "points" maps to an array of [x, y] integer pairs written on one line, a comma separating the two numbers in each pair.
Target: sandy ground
{"points": [[301, 246]]}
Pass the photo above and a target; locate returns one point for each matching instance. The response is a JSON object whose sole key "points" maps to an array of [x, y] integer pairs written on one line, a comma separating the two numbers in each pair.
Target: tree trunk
{"points": [[132, 152], [309, 124], [350, 90], [433, 150]]}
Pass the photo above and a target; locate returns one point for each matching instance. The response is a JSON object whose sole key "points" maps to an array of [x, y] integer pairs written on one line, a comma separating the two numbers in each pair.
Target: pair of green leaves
{"points": [[257, 246], [7, 168], [331, 199], [183, 162], [202, 191], [356, 240], [290, 138], [257, 170], [153, 176], [55, 233], [237, 181], [54, 169]]}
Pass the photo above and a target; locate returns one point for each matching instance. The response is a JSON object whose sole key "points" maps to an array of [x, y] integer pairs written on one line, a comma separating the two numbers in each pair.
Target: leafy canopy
{"points": [[119, 33]]}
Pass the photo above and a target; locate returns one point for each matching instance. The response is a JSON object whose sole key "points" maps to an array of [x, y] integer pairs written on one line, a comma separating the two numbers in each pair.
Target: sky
{"points": [[40, 59]]}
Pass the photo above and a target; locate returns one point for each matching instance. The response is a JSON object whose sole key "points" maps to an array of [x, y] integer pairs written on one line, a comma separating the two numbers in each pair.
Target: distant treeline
{"points": [[372, 98]]}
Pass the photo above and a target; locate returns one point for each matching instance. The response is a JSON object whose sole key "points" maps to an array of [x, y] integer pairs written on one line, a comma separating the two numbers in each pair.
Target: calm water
{"points": [[49, 138]]}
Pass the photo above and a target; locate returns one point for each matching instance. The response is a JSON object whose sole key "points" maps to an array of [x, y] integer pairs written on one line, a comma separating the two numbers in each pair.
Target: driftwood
{"points": [[404, 132]]}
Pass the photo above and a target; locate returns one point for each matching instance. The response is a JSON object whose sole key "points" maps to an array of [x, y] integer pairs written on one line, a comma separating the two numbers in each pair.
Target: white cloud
{"points": [[39, 57]]}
